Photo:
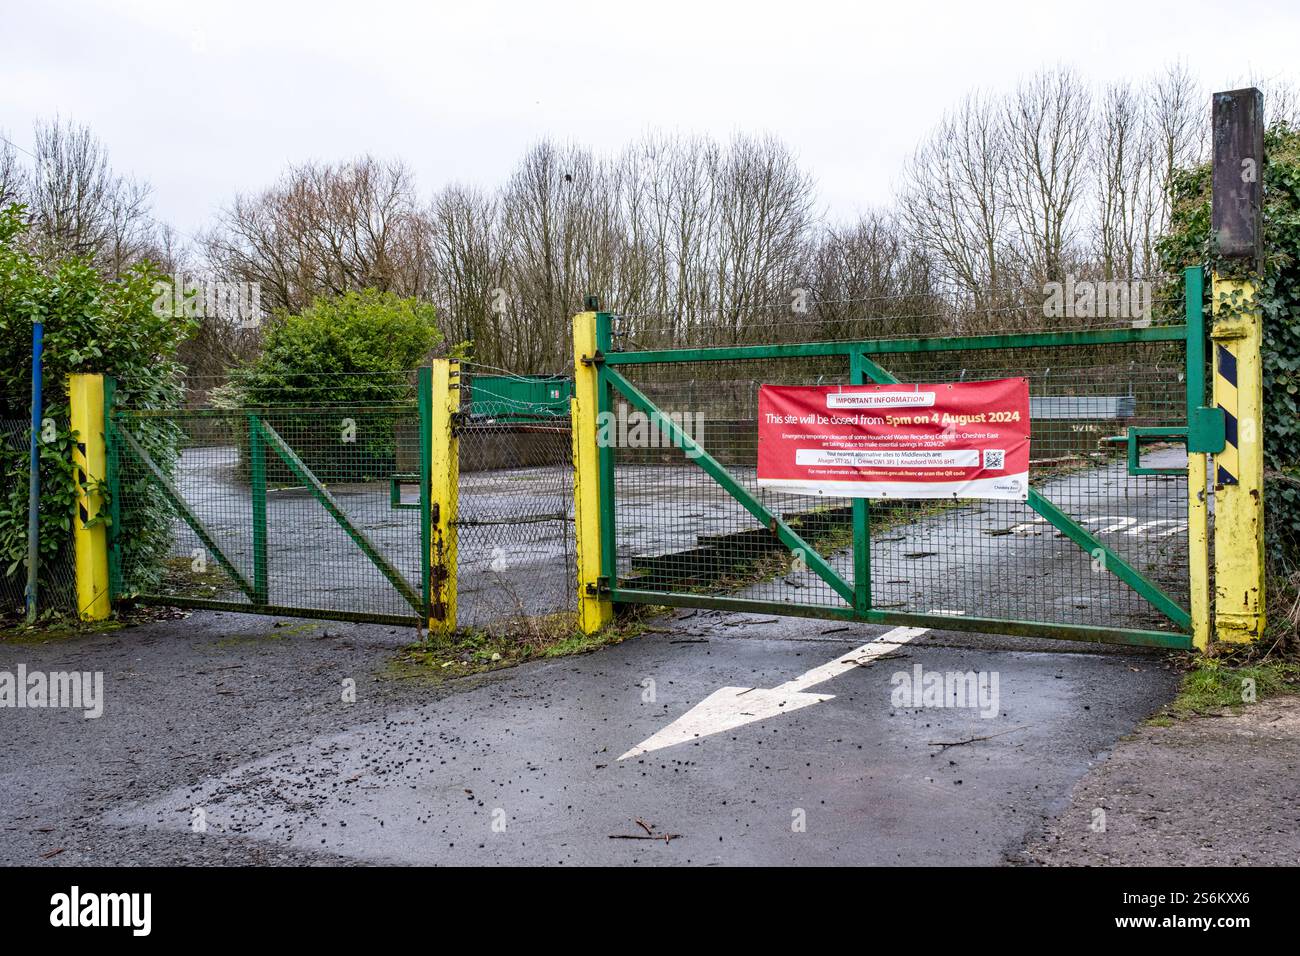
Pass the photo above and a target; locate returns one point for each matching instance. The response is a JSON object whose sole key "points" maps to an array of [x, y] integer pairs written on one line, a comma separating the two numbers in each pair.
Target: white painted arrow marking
{"points": [[730, 707]]}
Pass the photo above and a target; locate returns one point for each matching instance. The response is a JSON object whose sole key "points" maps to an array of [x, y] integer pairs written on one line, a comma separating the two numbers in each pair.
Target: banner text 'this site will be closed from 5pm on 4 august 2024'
{"points": [[948, 440]]}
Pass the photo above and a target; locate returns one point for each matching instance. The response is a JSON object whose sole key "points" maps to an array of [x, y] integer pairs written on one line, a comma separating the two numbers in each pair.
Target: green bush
{"points": [[352, 351], [91, 325], [1187, 243]]}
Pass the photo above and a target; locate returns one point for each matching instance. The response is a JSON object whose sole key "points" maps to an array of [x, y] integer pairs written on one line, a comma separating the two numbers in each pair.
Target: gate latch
{"points": [[1139, 436], [1206, 430]]}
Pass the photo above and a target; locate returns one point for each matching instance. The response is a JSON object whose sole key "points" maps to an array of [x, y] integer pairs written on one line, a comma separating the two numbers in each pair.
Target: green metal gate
{"points": [[316, 511], [1100, 551]]}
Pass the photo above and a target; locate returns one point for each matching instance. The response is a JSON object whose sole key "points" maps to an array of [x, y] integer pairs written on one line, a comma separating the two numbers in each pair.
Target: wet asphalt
{"points": [[225, 739], [236, 739]]}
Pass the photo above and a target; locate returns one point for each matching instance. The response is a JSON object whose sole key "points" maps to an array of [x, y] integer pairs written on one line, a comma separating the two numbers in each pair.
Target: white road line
{"points": [[730, 707], [881, 645]]}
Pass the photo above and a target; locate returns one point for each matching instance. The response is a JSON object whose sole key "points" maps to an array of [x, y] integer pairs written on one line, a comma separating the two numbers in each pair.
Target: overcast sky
{"points": [[205, 99]]}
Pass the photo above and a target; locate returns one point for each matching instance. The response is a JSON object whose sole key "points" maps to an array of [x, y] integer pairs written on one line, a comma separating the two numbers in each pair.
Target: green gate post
{"points": [[861, 515], [605, 411], [257, 459], [424, 400], [113, 464]]}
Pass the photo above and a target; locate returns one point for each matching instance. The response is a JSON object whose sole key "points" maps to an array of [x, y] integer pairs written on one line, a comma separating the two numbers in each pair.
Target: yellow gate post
{"points": [[444, 460], [1239, 468], [594, 611], [89, 458], [1236, 218], [1204, 437], [1198, 548]]}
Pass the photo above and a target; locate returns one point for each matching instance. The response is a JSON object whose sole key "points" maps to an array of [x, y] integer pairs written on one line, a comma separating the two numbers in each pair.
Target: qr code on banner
{"points": [[995, 460]]}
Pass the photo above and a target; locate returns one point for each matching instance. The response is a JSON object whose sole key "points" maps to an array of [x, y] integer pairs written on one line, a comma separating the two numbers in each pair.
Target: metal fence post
{"points": [[594, 609], [257, 488], [1239, 468], [424, 407], [90, 537], [113, 467], [444, 484], [1236, 218], [1198, 443], [861, 516]]}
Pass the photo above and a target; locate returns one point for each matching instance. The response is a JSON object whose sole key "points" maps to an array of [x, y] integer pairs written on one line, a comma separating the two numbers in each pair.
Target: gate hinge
{"points": [[597, 359]]}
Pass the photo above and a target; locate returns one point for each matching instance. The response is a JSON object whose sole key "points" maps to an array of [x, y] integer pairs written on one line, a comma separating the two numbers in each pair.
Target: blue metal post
{"points": [[34, 477]]}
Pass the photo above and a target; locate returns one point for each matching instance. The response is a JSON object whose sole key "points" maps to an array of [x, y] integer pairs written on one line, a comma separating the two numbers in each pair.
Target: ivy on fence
{"points": [[1187, 243]]}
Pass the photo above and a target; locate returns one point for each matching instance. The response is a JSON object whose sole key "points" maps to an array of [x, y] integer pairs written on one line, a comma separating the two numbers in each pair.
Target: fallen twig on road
{"points": [[648, 835], [970, 740]]}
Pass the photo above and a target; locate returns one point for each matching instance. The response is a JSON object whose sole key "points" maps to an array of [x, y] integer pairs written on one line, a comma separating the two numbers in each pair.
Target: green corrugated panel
{"points": [[520, 398]]}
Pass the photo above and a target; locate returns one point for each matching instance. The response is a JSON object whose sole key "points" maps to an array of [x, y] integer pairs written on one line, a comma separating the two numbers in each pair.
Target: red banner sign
{"points": [[950, 440]]}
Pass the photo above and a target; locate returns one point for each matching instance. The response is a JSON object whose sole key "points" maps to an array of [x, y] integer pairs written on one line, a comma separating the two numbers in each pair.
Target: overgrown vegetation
{"points": [[91, 324], [477, 651], [1232, 676], [1188, 243], [350, 349], [1219, 683]]}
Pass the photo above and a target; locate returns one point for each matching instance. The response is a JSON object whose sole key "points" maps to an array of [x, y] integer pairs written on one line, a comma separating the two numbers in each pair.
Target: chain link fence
{"points": [[515, 546], [57, 580]]}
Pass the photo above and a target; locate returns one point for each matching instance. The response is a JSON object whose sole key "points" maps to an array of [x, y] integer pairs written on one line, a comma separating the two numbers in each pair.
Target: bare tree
{"points": [[1046, 127], [868, 281], [79, 206], [953, 203], [468, 265], [326, 229], [1117, 160], [13, 177]]}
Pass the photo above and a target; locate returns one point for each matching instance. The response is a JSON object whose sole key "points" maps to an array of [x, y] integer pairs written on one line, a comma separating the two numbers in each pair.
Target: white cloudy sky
{"points": [[205, 98]]}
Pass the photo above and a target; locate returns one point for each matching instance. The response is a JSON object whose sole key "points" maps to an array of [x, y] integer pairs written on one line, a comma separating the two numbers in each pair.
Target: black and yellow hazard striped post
{"points": [[89, 459], [1238, 374]]}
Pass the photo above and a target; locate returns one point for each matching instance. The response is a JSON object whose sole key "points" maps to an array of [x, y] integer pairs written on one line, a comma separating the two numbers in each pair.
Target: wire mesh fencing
{"points": [[678, 530], [274, 501], [56, 573], [846, 313], [278, 502]]}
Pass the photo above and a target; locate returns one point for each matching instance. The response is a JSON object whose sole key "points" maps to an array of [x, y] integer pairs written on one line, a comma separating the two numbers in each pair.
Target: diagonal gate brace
{"points": [[174, 498], [718, 472], [1077, 533], [322, 495]]}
